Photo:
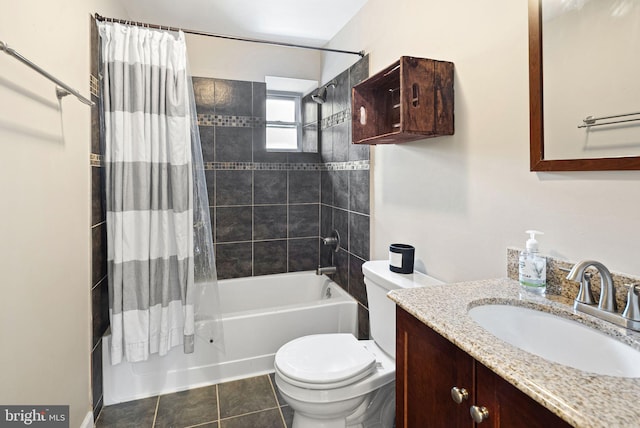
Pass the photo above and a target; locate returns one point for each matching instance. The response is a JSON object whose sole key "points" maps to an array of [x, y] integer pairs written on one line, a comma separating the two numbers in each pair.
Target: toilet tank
{"points": [[379, 280]]}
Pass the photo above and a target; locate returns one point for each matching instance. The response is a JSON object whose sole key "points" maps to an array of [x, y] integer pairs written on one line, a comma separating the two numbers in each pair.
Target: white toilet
{"points": [[337, 381]]}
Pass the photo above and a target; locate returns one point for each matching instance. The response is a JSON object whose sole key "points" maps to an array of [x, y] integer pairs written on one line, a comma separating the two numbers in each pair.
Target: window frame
{"points": [[297, 124]]}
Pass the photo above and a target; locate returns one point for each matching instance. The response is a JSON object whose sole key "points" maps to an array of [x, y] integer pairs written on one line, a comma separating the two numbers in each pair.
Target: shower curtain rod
{"points": [[62, 89], [223, 36]]}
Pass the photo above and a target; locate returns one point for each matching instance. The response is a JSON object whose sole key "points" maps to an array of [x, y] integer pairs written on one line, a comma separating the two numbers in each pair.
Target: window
{"points": [[284, 124]]}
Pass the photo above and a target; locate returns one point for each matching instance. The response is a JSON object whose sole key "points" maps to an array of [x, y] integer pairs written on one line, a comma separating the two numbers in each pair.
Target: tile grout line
{"points": [[287, 221], [155, 414], [284, 423], [218, 404], [202, 424], [253, 210], [95, 423], [250, 413], [273, 389]]}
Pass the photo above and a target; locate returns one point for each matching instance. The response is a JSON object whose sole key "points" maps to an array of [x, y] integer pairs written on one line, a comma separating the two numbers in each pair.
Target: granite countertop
{"points": [[580, 398]]}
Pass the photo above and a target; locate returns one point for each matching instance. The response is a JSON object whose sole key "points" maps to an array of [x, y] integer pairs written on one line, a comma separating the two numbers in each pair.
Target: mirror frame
{"points": [[536, 117]]}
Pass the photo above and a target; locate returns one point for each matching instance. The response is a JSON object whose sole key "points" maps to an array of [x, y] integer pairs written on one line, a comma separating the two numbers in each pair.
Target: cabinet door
{"points": [[508, 406], [427, 367]]}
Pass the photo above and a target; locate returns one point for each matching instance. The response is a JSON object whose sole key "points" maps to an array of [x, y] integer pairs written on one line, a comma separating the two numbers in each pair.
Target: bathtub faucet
{"points": [[328, 270], [332, 241]]}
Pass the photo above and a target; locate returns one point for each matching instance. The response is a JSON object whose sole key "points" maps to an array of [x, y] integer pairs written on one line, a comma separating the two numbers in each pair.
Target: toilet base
{"points": [[303, 421], [381, 411], [376, 410]]}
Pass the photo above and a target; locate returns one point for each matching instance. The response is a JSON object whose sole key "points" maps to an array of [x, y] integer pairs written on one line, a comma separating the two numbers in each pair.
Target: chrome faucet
{"points": [[606, 309], [333, 242], [607, 289], [327, 270]]}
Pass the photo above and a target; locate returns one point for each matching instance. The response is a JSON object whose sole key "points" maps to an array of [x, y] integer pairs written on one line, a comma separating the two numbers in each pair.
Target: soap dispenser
{"points": [[532, 266]]}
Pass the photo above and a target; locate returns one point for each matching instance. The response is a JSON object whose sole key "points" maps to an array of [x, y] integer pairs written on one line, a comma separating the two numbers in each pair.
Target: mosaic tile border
{"points": [[98, 160], [343, 166], [263, 166], [95, 159], [94, 85], [206, 119], [336, 119]]}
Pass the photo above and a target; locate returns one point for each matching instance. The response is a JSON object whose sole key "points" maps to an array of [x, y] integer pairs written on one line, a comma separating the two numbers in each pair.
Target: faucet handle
{"points": [[632, 310], [332, 241], [585, 295]]}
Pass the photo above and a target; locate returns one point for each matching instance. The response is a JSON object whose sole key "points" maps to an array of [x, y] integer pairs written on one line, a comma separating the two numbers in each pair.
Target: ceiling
{"points": [[310, 22]]}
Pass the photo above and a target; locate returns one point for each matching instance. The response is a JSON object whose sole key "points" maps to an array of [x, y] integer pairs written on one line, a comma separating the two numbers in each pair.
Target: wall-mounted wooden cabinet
{"points": [[412, 99], [429, 367]]}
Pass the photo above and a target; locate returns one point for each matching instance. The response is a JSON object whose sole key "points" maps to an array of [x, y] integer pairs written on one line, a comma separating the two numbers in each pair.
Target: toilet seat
{"points": [[383, 373], [324, 361]]}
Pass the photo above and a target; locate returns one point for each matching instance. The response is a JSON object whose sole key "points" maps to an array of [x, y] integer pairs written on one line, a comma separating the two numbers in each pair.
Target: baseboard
{"points": [[88, 421]]}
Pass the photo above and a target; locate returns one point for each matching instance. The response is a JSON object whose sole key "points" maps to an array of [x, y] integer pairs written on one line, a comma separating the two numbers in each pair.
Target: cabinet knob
{"points": [[459, 394], [479, 413]]}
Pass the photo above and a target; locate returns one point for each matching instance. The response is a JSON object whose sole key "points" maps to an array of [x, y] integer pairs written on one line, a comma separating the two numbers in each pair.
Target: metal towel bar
{"points": [[62, 90], [590, 121]]}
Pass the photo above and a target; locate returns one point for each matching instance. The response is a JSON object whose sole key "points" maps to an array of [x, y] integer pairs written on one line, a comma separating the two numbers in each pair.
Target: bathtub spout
{"points": [[328, 270]]}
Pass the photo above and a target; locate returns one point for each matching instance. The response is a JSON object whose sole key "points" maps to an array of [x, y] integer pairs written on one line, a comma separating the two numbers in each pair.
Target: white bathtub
{"points": [[259, 314]]}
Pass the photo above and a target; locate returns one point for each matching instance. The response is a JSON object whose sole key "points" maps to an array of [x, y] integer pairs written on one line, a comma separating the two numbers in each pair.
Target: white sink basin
{"points": [[559, 340]]}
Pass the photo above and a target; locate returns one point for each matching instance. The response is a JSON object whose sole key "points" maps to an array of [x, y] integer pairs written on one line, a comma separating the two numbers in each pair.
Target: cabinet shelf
{"points": [[412, 99]]}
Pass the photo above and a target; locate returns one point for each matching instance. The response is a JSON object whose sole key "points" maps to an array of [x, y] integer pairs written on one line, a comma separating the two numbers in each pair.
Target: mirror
{"points": [[570, 81]]}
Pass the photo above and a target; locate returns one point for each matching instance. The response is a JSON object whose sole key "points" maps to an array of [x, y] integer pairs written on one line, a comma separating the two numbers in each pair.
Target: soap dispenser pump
{"points": [[532, 272]]}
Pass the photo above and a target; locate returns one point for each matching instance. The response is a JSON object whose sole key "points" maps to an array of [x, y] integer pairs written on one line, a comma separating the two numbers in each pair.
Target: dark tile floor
{"points": [[245, 403]]}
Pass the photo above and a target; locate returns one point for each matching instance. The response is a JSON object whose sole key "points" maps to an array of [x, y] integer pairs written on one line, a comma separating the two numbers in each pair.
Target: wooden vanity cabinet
{"points": [[428, 366]]}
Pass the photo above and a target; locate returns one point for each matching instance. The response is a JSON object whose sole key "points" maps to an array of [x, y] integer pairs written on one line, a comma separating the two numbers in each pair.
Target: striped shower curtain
{"points": [[149, 190]]}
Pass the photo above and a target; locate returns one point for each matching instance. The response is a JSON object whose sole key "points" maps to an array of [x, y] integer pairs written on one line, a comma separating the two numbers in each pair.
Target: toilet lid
{"points": [[324, 358]]}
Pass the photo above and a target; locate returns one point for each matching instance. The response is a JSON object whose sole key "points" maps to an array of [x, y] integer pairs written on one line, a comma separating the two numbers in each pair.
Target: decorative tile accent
{"points": [[220, 166], [336, 119], [265, 166], [95, 159], [230, 121], [305, 167], [94, 85], [347, 166]]}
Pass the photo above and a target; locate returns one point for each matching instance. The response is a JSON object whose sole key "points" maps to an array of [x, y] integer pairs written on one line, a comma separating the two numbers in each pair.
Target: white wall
{"points": [[45, 309], [462, 199], [45, 193], [228, 59]]}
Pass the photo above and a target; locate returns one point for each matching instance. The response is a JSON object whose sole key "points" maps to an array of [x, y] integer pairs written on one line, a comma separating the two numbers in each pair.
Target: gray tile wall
{"points": [[344, 197], [99, 286], [265, 205], [268, 209]]}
